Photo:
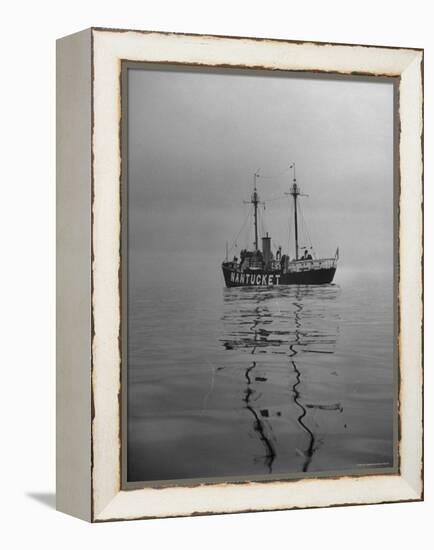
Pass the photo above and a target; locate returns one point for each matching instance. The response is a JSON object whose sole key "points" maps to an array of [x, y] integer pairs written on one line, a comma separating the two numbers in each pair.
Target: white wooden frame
{"points": [[89, 221]]}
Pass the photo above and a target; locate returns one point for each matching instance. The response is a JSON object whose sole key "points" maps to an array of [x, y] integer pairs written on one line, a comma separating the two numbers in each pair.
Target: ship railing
{"points": [[306, 265]]}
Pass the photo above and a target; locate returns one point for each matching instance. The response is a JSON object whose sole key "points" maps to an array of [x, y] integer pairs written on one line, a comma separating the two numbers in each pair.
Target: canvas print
{"points": [[258, 270]]}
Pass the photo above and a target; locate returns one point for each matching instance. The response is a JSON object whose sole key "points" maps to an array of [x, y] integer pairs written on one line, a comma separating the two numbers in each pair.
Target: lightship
{"points": [[260, 267]]}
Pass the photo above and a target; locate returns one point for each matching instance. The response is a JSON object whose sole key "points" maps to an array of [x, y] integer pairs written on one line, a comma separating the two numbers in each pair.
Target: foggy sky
{"points": [[195, 140]]}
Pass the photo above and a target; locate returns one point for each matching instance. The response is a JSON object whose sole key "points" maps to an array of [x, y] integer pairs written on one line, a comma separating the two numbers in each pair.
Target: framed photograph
{"points": [[240, 286]]}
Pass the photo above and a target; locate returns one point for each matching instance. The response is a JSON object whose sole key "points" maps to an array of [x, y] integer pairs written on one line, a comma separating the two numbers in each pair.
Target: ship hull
{"points": [[236, 278]]}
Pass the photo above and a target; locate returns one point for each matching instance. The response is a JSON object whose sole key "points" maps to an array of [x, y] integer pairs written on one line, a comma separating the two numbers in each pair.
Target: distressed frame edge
{"points": [[73, 275], [113, 510], [251, 38], [410, 490], [412, 308]]}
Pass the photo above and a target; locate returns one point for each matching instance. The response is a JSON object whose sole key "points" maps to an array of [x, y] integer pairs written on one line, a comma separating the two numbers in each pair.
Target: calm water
{"points": [[259, 381]]}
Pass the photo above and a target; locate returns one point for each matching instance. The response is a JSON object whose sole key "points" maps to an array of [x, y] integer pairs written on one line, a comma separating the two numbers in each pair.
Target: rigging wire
{"points": [[262, 221], [312, 234], [306, 231], [276, 175], [234, 244], [275, 198], [290, 226], [261, 217]]}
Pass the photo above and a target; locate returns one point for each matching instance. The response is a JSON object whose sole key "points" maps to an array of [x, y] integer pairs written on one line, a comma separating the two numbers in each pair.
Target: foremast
{"points": [[255, 201]]}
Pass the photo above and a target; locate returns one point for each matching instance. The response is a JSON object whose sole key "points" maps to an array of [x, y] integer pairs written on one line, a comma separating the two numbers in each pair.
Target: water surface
{"points": [[259, 381]]}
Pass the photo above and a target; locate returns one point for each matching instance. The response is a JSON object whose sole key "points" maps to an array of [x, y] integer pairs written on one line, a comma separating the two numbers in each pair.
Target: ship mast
{"points": [[295, 192], [255, 201]]}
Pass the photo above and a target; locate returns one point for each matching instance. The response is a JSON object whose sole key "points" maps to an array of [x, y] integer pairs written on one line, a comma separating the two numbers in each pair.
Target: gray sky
{"points": [[195, 140]]}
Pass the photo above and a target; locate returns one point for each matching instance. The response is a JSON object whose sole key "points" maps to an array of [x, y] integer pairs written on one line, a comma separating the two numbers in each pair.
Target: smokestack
{"points": [[266, 249]]}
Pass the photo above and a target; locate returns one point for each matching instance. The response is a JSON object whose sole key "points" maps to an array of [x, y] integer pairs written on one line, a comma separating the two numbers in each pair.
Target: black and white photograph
{"points": [[217, 308], [258, 274]]}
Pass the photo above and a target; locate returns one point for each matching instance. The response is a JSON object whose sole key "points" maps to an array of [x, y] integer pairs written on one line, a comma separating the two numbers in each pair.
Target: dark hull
{"points": [[273, 278]]}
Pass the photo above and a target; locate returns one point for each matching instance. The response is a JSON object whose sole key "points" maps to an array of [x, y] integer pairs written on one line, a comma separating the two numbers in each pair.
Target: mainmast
{"points": [[255, 200], [295, 192]]}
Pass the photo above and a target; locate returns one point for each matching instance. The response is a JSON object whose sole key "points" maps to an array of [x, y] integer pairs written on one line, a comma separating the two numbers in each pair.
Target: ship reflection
{"points": [[308, 454], [278, 326], [259, 424]]}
